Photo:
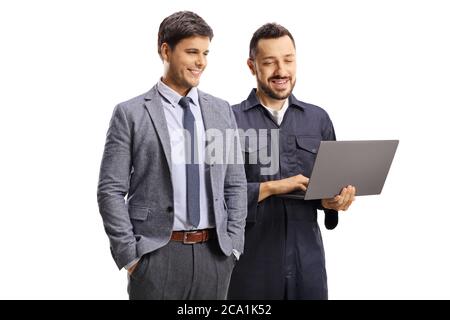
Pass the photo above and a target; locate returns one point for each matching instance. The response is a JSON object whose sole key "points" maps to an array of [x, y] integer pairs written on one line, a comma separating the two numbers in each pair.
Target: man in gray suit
{"points": [[174, 216]]}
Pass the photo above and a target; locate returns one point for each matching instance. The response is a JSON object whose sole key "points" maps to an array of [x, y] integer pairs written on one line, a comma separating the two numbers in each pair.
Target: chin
{"points": [[286, 92], [195, 83], [281, 95], [188, 83]]}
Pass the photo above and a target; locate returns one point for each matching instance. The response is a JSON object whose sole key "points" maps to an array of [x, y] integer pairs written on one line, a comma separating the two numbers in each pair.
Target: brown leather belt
{"points": [[191, 237]]}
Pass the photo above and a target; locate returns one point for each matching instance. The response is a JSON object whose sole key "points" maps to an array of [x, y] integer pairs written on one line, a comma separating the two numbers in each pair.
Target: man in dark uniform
{"points": [[284, 256]]}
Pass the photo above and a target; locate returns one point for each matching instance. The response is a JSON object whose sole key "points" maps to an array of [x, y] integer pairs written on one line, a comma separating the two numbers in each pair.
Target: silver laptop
{"points": [[362, 164]]}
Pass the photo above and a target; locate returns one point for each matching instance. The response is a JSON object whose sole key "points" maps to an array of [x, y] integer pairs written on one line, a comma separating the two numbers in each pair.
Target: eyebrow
{"points": [[195, 49], [290, 55]]}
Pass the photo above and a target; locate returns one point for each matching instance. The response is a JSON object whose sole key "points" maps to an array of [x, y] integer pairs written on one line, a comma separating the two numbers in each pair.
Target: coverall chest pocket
{"points": [[306, 152]]}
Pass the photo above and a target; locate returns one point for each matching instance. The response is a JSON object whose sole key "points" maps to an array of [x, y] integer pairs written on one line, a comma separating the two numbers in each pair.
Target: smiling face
{"points": [[185, 63], [275, 67]]}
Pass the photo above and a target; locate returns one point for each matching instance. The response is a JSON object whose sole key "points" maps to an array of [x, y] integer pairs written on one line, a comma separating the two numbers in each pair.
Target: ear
{"points": [[165, 52], [251, 65]]}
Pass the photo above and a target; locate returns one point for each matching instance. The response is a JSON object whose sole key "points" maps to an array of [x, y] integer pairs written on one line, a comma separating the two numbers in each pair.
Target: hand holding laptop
{"points": [[342, 201], [299, 184]]}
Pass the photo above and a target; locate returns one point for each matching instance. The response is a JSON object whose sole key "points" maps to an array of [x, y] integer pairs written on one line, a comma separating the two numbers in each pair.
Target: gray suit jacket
{"points": [[136, 165]]}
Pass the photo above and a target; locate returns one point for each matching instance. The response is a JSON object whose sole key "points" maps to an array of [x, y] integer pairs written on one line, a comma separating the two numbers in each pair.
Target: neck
{"points": [[181, 90], [268, 101]]}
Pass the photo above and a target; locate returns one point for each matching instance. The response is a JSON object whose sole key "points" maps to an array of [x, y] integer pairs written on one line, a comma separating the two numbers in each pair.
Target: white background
{"points": [[380, 68]]}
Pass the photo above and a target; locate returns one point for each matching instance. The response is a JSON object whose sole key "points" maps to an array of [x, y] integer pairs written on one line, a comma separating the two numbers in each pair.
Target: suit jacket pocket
{"points": [[138, 213], [139, 219]]}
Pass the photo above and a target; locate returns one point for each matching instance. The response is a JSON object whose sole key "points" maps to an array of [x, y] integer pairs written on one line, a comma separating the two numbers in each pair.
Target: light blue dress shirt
{"points": [[174, 118]]}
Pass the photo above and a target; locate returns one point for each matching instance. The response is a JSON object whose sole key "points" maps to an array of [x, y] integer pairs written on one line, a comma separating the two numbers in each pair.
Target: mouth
{"points": [[196, 73], [280, 84]]}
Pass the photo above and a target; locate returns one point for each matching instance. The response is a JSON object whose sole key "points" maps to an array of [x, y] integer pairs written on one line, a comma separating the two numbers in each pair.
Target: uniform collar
{"points": [[253, 101]]}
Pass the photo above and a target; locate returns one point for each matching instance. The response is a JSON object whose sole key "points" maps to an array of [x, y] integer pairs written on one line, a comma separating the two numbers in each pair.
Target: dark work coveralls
{"points": [[283, 256]]}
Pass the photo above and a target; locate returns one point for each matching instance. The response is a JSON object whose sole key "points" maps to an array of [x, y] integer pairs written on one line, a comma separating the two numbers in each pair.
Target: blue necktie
{"points": [[192, 168]]}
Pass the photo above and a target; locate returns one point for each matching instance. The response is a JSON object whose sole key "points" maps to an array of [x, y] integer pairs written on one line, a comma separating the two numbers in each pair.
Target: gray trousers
{"points": [[180, 271]]}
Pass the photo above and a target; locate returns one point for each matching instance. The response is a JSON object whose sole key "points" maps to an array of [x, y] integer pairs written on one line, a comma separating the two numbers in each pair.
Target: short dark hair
{"points": [[181, 25], [268, 31]]}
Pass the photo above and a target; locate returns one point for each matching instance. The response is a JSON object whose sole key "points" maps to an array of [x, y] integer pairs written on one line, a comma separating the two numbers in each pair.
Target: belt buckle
{"points": [[186, 233]]}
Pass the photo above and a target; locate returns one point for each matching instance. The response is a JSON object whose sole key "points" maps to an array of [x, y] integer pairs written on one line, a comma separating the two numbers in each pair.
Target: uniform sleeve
{"points": [[331, 216]]}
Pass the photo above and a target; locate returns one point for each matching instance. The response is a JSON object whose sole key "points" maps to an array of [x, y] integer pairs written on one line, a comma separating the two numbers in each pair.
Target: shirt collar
{"points": [[174, 97], [253, 101]]}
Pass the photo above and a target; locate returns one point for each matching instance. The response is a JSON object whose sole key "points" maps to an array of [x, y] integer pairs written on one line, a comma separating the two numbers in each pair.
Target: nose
{"points": [[281, 70], [200, 61]]}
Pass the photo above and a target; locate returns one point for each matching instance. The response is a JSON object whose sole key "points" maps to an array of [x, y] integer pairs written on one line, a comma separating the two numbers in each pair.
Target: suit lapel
{"points": [[209, 122], [207, 112], [156, 111], [208, 117]]}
